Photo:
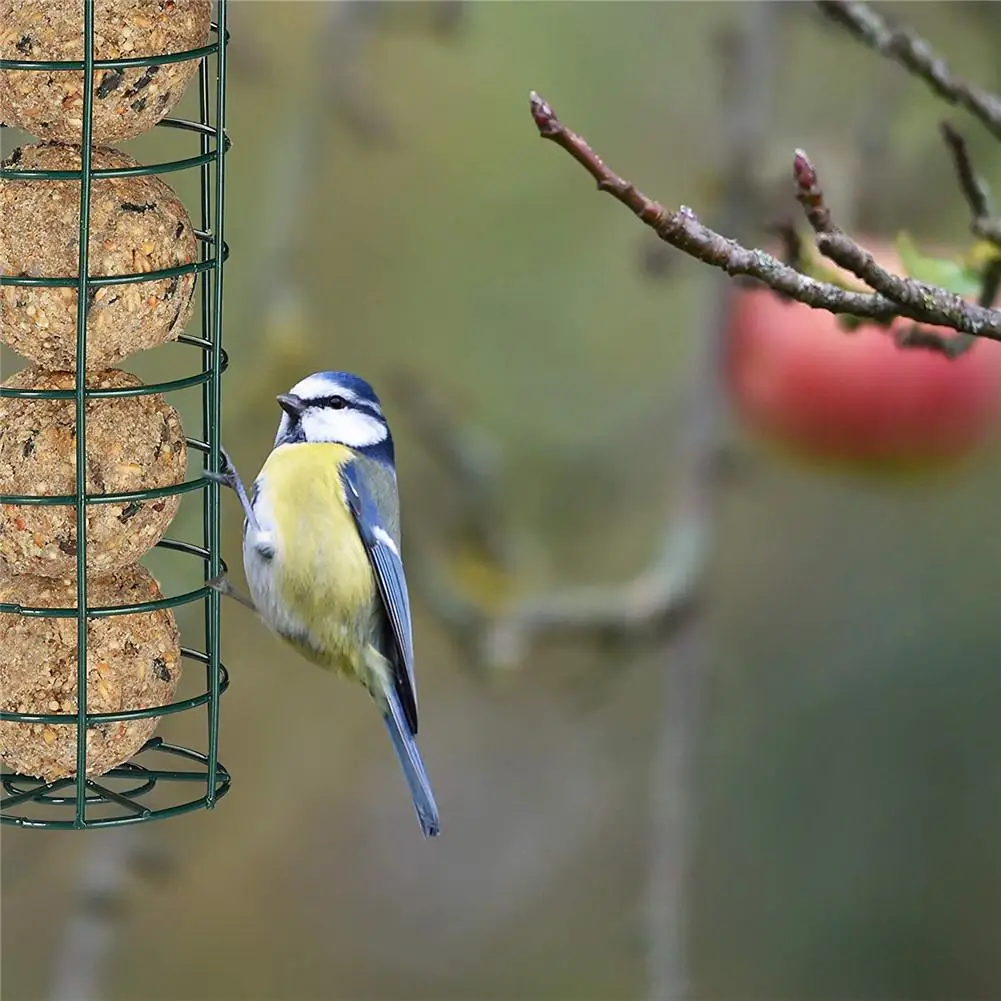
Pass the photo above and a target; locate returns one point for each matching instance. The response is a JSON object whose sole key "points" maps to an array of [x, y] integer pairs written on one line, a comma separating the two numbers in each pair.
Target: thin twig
{"points": [[297, 161], [673, 768], [875, 154], [448, 17], [893, 297], [246, 56], [835, 244], [748, 93], [915, 54], [984, 223], [472, 459], [345, 32], [111, 860]]}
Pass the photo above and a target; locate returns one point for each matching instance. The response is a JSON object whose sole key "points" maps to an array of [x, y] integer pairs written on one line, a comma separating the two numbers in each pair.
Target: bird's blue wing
{"points": [[392, 583]]}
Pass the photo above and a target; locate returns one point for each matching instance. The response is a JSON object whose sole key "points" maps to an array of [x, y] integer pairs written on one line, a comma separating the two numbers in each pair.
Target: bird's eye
{"points": [[337, 402]]}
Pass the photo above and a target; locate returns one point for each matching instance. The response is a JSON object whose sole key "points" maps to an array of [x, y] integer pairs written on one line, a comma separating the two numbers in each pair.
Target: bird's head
{"points": [[335, 407]]}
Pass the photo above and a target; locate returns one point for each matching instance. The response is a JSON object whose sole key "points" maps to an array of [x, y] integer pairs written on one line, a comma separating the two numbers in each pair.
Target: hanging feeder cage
{"points": [[161, 779]]}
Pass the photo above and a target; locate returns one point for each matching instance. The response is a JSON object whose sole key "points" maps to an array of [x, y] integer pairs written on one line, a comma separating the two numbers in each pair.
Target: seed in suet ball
{"points": [[137, 224], [127, 101], [133, 443], [133, 662]]}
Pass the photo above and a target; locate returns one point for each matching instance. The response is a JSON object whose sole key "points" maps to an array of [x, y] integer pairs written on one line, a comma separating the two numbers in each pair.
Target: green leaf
{"points": [[952, 275]]}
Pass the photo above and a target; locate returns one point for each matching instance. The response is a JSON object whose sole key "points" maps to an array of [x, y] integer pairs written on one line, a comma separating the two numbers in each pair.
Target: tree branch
{"points": [[834, 243], [975, 190], [473, 461], [913, 53], [346, 30], [112, 860], [893, 296]]}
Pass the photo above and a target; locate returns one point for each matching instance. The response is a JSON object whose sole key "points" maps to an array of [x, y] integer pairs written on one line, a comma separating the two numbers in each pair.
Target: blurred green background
{"points": [[849, 790]]}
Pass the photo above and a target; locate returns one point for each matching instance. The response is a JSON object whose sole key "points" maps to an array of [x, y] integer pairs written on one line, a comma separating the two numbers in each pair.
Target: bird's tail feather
{"points": [[413, 766]]}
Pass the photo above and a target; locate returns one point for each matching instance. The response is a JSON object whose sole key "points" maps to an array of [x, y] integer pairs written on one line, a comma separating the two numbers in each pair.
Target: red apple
{"points": [[856, 398]]}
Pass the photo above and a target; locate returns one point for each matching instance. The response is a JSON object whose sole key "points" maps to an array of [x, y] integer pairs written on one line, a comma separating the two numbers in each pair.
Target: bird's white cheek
{"points": [[349, 427]]}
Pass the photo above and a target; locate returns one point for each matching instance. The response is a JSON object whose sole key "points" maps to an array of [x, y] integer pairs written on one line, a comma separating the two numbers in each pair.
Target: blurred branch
{"points": [[448, 16], [296, 162], [915, 54], [345, 31], [502, 638], [663, 599], [472, 459], [111, 860], [893, 296], [874, 176], [984, 222], [246, 55], [335, 87], [278, 310], [748, 58]]}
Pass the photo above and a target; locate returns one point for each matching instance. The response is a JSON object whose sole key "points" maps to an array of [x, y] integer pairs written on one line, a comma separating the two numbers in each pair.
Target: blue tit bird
{"points": [[321, 551]]}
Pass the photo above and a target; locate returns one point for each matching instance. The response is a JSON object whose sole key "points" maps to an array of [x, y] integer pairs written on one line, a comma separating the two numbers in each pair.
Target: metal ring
{"points": [[135, 278], [67, 801], [129, 63], [151, 712], [164, 167], [132, 813], [100, 281], [171, 386], [12, 783], [128, 497], [168, 601]]}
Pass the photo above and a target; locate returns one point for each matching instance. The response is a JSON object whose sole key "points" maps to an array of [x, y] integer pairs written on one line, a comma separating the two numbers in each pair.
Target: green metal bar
{"points": [[28, 281], [155, 744], [81, 414], [153, 493], [36, 793], [166, 167], [172, 776], [146, 783], [214, 409], [173, 601], [97, 719], [165, 814], [107, 794], [82, 794], [133, 62], [209, 333], [169, 601], [187, 382]]}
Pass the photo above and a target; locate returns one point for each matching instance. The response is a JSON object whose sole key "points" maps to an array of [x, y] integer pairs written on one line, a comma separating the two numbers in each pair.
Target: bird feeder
{"points": [[90, 470]]}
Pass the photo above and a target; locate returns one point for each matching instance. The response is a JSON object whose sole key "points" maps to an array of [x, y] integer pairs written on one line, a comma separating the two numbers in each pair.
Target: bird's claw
{"points": [[227, 476], [224, 479], [225, 587]]}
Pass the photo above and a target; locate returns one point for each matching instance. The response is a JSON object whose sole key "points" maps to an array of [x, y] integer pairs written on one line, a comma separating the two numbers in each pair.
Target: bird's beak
{"points": [[291, 404]]}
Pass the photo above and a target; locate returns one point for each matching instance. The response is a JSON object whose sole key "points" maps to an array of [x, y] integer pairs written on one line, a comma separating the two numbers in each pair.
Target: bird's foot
{"points": [[225, 587], [229, 477]]}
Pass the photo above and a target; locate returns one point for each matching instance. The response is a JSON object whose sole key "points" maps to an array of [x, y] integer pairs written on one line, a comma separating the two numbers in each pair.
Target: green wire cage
{"points": [[162, 779]]}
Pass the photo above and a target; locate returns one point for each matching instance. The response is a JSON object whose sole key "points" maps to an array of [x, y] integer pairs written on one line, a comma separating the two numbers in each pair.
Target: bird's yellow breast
{"points": [[322, 571]]}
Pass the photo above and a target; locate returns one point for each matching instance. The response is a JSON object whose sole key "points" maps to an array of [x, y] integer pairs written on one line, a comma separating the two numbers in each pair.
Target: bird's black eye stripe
{"points": [[334, 402]]}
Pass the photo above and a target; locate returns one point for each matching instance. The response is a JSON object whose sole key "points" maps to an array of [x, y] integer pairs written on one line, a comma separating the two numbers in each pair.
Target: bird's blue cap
{"points": [[315, 411]]}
